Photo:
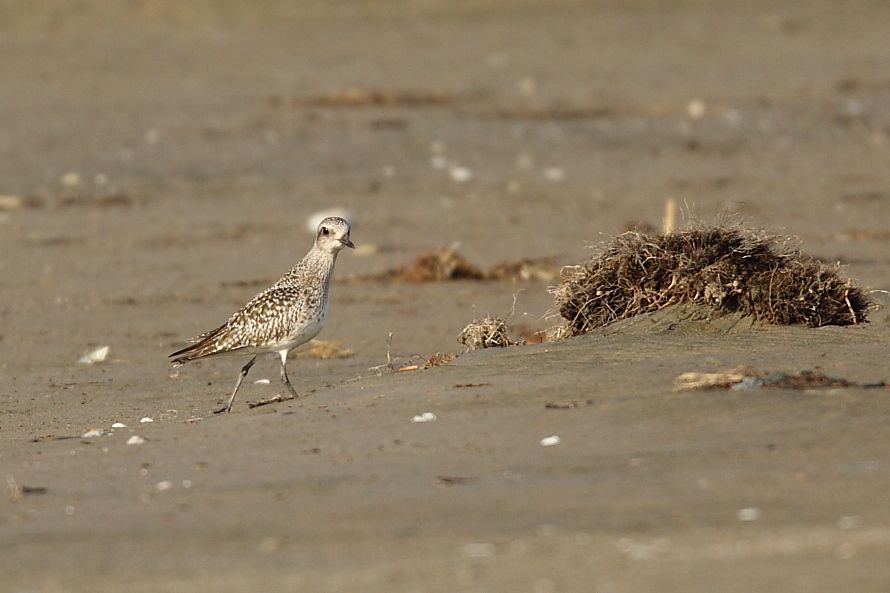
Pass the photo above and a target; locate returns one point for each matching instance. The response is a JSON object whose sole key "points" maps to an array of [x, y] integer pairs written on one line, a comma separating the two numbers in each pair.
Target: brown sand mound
{"points": [[728, 269], [488, 332]]}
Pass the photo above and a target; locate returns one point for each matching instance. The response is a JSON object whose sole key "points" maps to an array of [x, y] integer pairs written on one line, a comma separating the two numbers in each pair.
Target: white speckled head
{"points": [[333, 235]]}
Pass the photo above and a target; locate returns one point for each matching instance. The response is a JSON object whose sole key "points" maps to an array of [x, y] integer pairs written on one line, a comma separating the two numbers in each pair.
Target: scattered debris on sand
{"points": [[488, 332], [17, 492], [445, 263], [748, 378], [369, 97], [438, 359], [568, 405], [434, 360], [277, 399], [323, 350], [111, 200], [432, 266], [728, 269], [455, 480]]}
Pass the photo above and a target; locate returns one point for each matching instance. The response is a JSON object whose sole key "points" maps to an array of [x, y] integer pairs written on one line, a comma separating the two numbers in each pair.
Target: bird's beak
{"points": [[348, 242]]}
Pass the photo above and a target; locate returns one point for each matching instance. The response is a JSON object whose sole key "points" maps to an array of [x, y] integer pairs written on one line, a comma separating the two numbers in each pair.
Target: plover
{"points": [[287, 314]]}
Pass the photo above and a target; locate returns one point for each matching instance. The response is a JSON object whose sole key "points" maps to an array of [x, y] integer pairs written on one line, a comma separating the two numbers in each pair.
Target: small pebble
{"points": [[460, 174], [145, 420], [550, 441], [92, 433], [554, 174], [94, 356], [118, 425], [749, 514], [696, 109], [135, 440], [164, 485], [70, 179], [425, 417]]}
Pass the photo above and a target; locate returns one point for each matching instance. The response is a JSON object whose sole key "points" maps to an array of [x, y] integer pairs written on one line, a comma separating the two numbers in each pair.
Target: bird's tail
{"points": [[205, 346]]}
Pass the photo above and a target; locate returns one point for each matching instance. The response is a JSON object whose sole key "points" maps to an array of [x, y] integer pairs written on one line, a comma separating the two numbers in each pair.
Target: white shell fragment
{"points": [[70, 179], [749, 514], [460, 174], [118, 425], [261, 382], [145, 420], [135, 440], [92, 433], [164, 485], [94, 356], [425, 417], [696, 109], [554, 174], [550, 441]]}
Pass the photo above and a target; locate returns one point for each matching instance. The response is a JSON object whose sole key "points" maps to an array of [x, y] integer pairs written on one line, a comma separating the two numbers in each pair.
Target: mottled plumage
{"points": [[287, 314]]}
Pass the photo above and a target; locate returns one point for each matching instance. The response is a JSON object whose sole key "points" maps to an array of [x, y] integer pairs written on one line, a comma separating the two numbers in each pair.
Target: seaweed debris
{"points": [[445, 263], [488, 332], [728, 269], [747, 378]]}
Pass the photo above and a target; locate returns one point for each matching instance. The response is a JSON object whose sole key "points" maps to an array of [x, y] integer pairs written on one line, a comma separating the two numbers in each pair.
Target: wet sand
{"points": [[200, 149]]}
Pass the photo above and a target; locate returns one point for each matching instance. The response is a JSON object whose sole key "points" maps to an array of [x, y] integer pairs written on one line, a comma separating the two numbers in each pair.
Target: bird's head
{"points": [[333, 235]]}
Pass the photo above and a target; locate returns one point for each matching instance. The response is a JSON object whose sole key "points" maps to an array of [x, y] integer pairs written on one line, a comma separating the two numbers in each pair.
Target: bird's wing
{"points": [[267, 319]]}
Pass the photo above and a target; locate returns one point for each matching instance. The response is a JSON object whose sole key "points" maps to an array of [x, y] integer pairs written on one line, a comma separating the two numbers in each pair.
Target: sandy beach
{"points": [[158, 164]]}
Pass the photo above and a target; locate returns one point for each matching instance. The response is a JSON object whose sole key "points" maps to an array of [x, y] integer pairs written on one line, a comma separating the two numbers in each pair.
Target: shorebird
{"points": [[284, 316]]}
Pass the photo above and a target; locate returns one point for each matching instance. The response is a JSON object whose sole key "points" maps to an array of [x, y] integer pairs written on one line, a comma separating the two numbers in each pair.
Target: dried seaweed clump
{"points": [[726, 268], [488, 332], [434, 266]]}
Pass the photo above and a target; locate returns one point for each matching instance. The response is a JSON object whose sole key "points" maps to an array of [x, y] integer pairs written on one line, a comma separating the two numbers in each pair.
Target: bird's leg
{"points": [[244, 370], [284, 378]]}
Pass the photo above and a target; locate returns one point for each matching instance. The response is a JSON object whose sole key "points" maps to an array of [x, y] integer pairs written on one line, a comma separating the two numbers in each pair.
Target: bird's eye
{"points": [[325, 231]]}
